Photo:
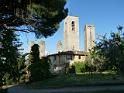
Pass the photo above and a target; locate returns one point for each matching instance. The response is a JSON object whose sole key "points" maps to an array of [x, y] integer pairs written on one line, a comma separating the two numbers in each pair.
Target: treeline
{"points": [[11, 62], [39, 69], [107, 55], [40, 17], [15, 68]]}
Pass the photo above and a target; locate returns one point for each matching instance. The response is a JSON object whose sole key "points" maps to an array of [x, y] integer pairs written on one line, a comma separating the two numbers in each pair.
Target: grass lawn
{"points": [[79, 79]]}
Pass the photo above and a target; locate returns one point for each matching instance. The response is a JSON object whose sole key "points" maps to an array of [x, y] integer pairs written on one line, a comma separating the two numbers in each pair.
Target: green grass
{"points": [[80, 79]]}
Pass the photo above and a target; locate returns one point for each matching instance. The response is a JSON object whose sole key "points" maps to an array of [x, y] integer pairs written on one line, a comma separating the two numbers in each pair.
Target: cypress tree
{"points": [[9, 55]]}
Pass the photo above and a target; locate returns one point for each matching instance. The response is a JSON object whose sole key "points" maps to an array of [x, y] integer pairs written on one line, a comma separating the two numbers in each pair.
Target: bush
{"points": [[80, 67], [39, 70], [3, 90], [85, 66], [72, 69]]}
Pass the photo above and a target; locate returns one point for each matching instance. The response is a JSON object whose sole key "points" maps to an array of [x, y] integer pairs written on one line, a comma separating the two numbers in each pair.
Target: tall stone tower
{"points": [[71, 33], [41, 48], [89, 37]]}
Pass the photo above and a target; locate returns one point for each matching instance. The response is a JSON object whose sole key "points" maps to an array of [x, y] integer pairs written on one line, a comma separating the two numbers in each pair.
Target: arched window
{"points": [[73, 25]]}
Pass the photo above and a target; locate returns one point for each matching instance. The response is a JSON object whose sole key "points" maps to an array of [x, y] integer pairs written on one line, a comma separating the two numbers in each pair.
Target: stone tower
{"points": [[59, 46], [41, 48], [89, 37], [71, 33]]}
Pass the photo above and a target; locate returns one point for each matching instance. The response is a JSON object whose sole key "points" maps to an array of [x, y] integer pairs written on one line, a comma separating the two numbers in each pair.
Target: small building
{"points": [[61, 60]]}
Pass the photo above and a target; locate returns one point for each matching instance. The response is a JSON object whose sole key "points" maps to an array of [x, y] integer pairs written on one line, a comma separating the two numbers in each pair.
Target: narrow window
{"points": [[73, 26]]}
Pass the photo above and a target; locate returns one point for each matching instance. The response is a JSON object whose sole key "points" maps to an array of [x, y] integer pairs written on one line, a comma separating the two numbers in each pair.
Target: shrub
{"points": [[39, 70], [3, 90], [80, 67], [72, 69]]}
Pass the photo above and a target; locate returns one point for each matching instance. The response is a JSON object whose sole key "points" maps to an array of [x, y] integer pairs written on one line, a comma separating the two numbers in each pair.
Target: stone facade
{"points": [[89, 37], [41, 48], [60, 60], [69, 52], [71, 33]]}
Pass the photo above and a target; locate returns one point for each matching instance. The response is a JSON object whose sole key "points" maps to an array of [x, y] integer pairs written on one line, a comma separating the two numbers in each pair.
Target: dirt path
{"points": [[18, 89]]}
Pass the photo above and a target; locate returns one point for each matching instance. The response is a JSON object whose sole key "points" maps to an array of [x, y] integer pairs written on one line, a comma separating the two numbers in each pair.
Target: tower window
{"points": [[73, 26]]}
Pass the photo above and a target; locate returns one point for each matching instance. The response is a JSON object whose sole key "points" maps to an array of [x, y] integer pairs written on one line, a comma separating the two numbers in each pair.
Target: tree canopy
{"points": [[9, 55], [39, 68], [40, 16], [109, 52]]}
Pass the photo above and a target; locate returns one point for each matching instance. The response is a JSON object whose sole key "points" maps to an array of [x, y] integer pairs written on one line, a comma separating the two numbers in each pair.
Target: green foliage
{"points": [[86, 66], [21, 69], [109, 52], [72, 69], [9, 55], [38, 68], [3, 90], [35, 71], [79, 67], [107, 55], [34, 55], [96, 61], [84, 79], [34, 60], [40, 16], [46, 67]]}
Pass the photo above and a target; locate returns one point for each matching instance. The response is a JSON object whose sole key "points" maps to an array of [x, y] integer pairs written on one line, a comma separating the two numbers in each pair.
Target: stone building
{"points": [[89, 37], [71, 33], [62, 60], [41, 48], [69, 52]]}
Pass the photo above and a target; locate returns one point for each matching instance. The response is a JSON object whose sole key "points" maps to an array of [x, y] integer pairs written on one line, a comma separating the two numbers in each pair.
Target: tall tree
{"points": [[34, 54], [39, 68], [110, 51], [40, 16], [8, 55]]}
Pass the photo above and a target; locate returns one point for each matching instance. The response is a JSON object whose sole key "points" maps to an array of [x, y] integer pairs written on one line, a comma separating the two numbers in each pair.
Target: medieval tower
{"points": [[41, 48], [89, 37], [71, 33]]}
